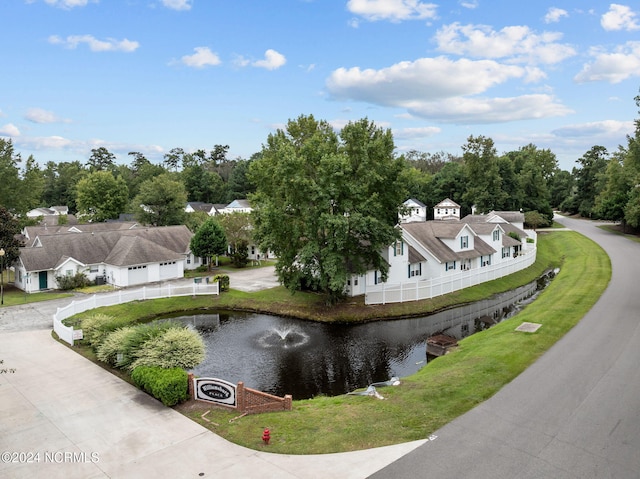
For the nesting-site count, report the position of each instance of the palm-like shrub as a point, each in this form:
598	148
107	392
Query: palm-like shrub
177	347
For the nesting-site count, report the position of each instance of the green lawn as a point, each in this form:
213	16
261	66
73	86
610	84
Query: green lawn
444	389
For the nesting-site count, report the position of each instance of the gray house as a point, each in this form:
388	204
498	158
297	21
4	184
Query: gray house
121	255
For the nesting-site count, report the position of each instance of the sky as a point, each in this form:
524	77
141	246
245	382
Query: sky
152	75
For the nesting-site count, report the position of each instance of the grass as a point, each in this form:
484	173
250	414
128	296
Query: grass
444	389
441	391
13	296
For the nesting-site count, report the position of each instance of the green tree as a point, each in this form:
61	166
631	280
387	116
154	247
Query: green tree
32	186
632	171
101	159
450	182
611	202
327	206
239	186
161	201
100	196
60	183
237	228
9	230
590	179
10	175
484	184
209	240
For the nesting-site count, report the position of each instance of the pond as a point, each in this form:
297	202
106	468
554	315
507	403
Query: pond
306	359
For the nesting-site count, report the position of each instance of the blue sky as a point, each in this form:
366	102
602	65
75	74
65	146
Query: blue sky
152	75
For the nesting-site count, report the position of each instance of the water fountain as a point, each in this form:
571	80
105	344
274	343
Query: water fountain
285	337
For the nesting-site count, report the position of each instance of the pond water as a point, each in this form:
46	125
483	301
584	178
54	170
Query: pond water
306	359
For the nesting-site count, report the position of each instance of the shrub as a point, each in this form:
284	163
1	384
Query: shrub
175	347
167	385
113	345
223	280
76	281
96	327
134	343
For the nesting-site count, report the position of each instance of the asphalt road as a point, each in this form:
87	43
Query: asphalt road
575	413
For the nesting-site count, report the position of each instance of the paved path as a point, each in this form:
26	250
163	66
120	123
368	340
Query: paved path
61	416
573	414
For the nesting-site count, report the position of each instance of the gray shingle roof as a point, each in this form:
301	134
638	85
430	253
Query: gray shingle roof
119	248
429	234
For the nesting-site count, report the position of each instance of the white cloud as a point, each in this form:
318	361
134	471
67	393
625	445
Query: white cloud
420	132
177	4
619	17
95	45
517	43
272	60
38	115
444	90
9	130
614	67
470	4
597	129
555	14
393	10
427	79
461	110
67	3
202	57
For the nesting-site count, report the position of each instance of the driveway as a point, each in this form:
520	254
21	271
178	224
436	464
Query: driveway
574	414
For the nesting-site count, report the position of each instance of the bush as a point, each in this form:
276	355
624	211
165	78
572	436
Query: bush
167	385
240	255
113	345
177	347
224	281
134	343
96	328
67	282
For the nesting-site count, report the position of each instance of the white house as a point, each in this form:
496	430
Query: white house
440	256
446	210
121	256
416	211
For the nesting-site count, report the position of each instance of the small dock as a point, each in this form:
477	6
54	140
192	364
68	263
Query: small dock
439	344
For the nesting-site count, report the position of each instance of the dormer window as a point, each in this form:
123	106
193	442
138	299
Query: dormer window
464	242
496	235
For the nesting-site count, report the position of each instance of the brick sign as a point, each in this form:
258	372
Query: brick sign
215	390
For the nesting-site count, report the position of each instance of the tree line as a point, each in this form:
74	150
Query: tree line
602	185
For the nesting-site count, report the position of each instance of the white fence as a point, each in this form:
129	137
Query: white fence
124	296
416	290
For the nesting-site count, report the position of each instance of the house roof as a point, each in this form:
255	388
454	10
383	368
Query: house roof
447	203
493	219
431	233
32	232
510	216
118	248
414	202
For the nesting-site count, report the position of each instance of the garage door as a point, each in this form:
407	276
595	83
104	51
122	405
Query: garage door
138	275
168	270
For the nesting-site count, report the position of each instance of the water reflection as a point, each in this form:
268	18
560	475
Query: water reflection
306	359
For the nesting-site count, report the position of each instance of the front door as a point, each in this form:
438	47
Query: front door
42	277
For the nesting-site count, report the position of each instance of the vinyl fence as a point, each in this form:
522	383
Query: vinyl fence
416	290
67	334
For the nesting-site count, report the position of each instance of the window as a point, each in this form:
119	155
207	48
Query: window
485	260
69	272
506	252
465	265
414	270
398	249
93	269
496	235
450	265
464	242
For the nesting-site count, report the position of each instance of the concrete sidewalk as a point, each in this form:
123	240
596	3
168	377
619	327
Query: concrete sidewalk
62	416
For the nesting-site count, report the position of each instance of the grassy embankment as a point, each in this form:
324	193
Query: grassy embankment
444	389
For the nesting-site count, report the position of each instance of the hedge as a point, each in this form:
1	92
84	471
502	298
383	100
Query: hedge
167	385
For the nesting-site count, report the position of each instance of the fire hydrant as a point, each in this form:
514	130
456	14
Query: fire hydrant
266	436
